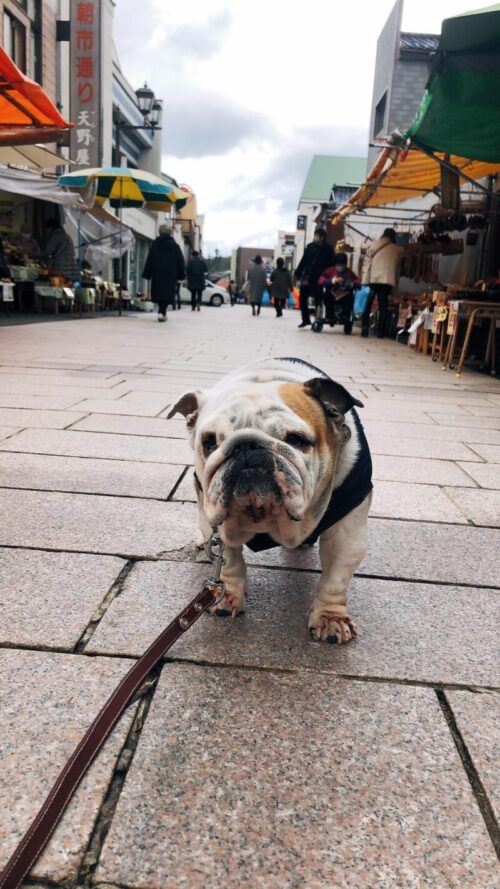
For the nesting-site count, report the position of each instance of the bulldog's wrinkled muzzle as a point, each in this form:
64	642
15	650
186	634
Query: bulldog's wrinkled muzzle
256	479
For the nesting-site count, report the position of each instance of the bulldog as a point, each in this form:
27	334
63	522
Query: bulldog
281	459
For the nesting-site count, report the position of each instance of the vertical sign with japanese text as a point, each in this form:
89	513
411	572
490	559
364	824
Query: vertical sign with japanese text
85	81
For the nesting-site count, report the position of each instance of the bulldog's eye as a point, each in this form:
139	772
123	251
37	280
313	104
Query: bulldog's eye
296	440
208	443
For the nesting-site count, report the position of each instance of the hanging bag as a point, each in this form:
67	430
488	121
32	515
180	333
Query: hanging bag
361	300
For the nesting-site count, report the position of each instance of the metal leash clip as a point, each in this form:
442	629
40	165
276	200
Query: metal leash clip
214	549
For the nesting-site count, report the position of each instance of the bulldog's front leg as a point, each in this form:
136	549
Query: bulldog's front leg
341	550
234	574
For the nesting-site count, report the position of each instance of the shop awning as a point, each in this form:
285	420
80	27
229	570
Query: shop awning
398	175
460	110
33	185
27	115
35	157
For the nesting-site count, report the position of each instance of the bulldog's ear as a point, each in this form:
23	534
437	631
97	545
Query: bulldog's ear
189	405
334	398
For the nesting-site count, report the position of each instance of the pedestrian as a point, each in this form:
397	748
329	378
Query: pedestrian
281	286
196	271
177	296
257	284
339	283
318	256
4	266
231	292
25	242
60	250
164	268
380	272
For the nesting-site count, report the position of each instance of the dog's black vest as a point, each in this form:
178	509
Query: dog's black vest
353	490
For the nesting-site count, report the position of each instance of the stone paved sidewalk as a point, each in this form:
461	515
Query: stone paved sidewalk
261	759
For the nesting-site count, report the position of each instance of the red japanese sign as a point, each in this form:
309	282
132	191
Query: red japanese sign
85	80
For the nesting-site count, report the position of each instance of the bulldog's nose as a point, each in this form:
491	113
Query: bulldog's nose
252	454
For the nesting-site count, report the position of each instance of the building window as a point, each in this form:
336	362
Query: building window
14	40
378	125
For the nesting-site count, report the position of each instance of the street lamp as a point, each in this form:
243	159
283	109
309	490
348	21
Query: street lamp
145	99
150	108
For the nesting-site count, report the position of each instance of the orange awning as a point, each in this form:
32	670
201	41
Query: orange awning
399	175
26	112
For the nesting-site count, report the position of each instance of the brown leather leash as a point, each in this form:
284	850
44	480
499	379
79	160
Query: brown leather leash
45	822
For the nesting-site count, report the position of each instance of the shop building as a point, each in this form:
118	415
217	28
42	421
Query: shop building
402	69
330	181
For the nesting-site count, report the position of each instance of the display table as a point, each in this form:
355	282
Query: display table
56	295
472	311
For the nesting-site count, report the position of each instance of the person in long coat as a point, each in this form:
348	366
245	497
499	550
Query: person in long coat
281	286
257	284
196	271
164	268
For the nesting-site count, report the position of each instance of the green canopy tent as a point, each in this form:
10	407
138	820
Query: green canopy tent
460	111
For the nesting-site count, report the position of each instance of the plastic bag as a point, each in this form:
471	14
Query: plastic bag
361	300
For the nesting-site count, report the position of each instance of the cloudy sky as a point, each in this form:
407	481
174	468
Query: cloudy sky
252	89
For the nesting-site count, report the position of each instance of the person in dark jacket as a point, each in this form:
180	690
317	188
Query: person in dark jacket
4	266
318	256
281	285
196	271
164	268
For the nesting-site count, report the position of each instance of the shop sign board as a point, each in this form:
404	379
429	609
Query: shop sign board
85	81
301	223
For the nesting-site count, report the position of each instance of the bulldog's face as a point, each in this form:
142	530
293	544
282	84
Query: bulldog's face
265	454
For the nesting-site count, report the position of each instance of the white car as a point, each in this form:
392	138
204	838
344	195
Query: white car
212	295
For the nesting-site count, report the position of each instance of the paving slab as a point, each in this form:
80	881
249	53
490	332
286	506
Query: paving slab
185	491
36	402
38	419
413	447
120	478
100	445
419	471
160	428
481	506
71	393
47	701
490	453
88	523
142	404
53	379
47	599
413	502
483	409
425	551
409	631
445	419
428	432
478	719
295	801
8	431
486	475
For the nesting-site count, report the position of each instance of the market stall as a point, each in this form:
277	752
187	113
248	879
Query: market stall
438	186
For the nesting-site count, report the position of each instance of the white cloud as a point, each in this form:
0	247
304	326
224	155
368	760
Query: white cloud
252	90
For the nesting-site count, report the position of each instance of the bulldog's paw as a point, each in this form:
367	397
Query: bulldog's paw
232	604
331	626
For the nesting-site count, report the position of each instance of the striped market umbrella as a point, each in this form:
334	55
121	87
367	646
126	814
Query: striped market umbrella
126	187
